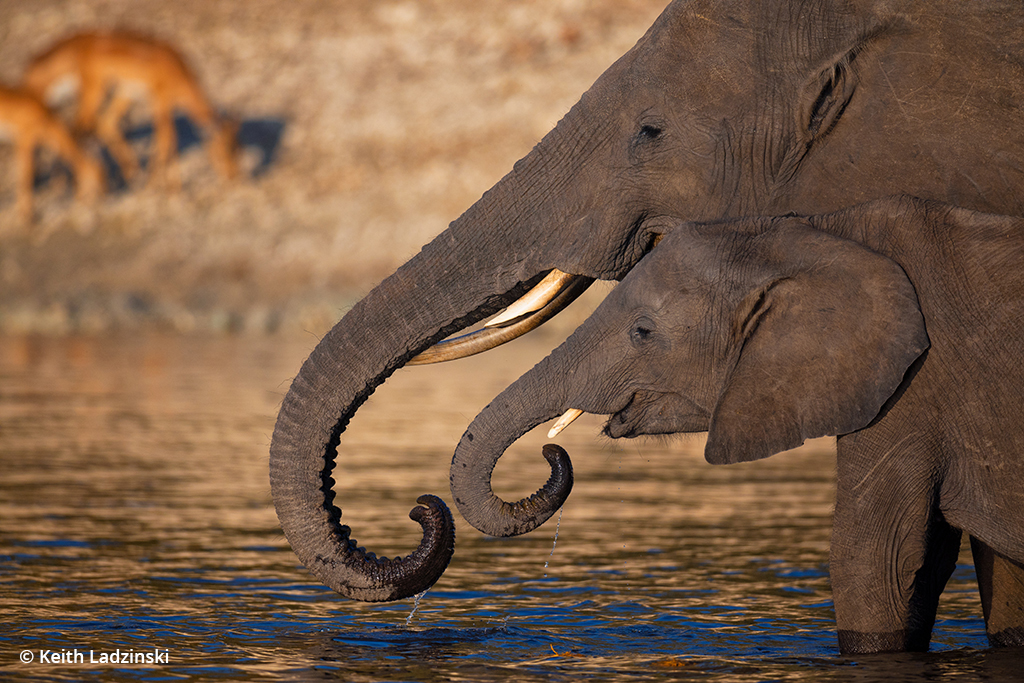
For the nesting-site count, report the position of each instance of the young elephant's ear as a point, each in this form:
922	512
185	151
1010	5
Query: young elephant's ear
822	344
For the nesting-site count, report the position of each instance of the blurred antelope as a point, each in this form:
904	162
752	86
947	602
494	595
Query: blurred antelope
111	72
26	121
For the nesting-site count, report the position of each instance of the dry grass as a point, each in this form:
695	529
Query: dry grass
397	116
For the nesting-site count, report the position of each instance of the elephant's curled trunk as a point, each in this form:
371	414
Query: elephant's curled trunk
508	417
397	320
301	473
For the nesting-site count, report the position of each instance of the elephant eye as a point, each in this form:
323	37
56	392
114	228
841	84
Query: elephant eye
643	142
649	132
642	331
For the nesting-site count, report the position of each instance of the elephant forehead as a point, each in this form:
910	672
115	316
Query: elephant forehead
693	256
668	286
703	49
717	49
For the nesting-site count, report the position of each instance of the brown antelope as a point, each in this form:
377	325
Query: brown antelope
113	71
26	121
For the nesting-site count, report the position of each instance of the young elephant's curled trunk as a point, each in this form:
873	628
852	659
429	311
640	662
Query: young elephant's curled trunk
512	414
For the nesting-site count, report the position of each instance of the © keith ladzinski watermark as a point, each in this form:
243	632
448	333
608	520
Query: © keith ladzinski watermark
142	657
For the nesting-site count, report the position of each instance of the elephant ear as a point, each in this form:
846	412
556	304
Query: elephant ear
823	343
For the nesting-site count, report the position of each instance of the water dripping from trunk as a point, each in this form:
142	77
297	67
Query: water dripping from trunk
415	606
554	542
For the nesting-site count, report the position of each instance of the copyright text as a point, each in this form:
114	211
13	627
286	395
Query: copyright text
148	657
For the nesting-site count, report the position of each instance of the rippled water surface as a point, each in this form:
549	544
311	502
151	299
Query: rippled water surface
135	516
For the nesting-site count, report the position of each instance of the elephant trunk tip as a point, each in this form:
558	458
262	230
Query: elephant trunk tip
359	574
496	517
531	512
559	484
424	566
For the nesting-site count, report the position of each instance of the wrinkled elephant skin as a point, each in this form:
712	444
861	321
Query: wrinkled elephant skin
724	108
768	331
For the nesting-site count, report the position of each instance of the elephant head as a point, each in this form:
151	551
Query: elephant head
763	333
724	107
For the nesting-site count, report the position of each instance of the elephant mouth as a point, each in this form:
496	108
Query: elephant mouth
653	413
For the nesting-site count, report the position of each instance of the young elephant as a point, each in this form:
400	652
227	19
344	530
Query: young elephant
897	325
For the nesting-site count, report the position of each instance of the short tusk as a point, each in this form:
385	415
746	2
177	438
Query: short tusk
567	419
534	300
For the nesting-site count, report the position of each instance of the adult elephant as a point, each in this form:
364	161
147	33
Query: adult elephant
724	107
765	332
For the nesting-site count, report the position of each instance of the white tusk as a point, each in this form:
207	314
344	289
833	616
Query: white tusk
534	300
564	421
